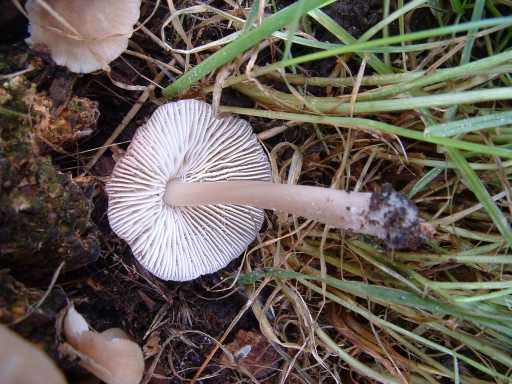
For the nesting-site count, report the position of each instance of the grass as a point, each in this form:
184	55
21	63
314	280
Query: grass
241	44
232	50
424	109
433	114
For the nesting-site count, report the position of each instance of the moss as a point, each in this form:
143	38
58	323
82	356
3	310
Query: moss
44	216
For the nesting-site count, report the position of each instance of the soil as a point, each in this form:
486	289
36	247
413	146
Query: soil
14	24
355	16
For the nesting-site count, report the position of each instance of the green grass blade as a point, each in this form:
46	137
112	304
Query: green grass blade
445	75
413	336
283	17
356	122
390	296
357	47
353	362
293	27
397	79
253	13
472	124
333	105
389	19
477	187
337	30
11	113
424	181
240	45
475	343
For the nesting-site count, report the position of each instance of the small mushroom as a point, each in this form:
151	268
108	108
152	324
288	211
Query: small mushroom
109	355
188	196
22	362
82	35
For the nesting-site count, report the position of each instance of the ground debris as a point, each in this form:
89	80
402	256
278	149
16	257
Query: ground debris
44	216
59	118
399	217
24	310
251	352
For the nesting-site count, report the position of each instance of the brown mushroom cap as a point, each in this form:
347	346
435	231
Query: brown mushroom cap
83	35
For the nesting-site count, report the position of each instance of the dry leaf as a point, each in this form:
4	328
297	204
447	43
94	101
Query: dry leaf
252	352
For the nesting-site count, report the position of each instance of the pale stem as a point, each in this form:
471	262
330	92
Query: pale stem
341	209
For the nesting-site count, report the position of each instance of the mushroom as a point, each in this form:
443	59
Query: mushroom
82	35
110	355
22	362
188	195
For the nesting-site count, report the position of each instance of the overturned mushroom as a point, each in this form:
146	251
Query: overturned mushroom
22	362
188	196
109	355
82	35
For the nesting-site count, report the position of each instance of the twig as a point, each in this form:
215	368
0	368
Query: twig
126	120
246	307
43	298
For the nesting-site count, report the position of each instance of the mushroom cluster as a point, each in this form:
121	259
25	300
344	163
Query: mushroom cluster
188	196
82	35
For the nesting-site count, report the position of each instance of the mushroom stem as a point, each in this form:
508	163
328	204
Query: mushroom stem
387	215
329	206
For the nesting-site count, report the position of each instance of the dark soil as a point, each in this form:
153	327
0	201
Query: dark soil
13	23
355	16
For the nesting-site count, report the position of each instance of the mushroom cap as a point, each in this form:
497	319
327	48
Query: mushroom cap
185	141
22	362
104	27
109	355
